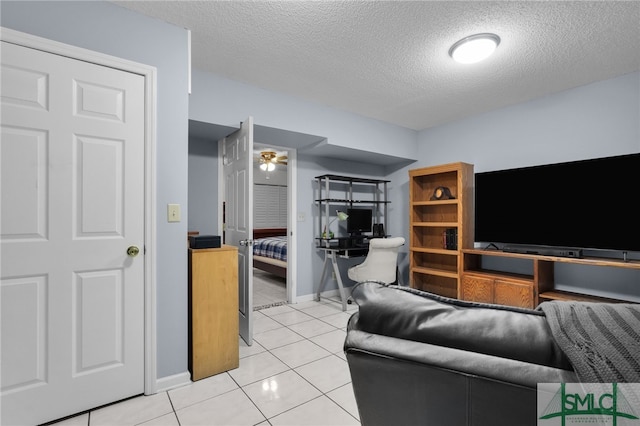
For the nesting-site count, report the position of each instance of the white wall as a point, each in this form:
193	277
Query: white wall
274	177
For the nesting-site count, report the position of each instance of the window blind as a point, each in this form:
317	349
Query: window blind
269	206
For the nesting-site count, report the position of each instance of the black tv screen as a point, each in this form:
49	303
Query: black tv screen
588	204
359	221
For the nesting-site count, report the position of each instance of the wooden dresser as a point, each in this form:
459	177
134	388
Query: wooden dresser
213	311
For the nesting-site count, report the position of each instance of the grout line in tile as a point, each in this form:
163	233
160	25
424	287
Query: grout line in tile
289	368
206	399
175	412
293	408
255	405
306	363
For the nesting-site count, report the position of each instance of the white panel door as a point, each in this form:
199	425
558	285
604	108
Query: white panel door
238	183
72	194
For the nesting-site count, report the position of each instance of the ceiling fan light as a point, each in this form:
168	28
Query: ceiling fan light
271	167
474	48
263	166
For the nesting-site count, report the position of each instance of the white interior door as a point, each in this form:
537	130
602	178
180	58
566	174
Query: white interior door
72	194
238	183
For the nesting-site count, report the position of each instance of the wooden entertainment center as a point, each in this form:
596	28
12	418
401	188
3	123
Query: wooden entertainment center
457	271
528	290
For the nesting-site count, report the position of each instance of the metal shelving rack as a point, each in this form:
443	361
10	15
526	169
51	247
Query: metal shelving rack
335	192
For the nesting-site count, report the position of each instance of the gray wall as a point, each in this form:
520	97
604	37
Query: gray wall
221	101
310	260
225	102
110	29
203	186
590	121
596	120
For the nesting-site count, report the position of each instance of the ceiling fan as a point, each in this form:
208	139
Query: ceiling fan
269	159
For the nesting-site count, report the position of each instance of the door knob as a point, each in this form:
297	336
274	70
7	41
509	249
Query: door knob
133	251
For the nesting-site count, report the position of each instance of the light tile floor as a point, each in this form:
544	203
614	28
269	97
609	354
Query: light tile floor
268	289
295	373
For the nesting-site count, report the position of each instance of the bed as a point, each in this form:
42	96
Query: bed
270	250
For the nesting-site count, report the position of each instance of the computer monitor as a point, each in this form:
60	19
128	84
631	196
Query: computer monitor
359	221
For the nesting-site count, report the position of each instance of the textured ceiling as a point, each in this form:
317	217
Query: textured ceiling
389	60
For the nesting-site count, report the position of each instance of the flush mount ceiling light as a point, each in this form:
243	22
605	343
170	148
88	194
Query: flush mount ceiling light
474	48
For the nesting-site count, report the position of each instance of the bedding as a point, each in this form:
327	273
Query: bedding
272	247
270	250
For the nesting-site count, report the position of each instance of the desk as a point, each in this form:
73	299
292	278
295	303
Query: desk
330	262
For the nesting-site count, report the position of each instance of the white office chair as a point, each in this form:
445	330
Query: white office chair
381	263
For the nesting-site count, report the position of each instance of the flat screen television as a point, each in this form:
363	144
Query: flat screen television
588	204
359	221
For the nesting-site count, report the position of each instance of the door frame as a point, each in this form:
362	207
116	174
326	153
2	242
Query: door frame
292	225
292	217
150	79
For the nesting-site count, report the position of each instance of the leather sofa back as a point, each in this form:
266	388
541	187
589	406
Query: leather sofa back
513	333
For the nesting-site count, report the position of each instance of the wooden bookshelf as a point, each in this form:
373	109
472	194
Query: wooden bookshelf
434	267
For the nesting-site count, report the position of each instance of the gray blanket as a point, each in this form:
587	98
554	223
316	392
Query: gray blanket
601	340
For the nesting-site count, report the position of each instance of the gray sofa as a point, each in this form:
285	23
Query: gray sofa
419	359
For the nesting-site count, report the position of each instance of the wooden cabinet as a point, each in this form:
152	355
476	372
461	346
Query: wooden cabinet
213	311
500	289
480	284
514	293
435	264
477	288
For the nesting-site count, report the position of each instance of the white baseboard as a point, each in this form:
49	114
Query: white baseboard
171	382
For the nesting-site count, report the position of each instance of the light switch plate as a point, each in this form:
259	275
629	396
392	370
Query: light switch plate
173	212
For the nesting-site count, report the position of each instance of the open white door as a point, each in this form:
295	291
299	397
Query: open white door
238	183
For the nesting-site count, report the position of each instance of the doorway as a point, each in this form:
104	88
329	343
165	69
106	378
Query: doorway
270	221
206	203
